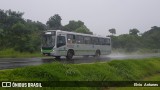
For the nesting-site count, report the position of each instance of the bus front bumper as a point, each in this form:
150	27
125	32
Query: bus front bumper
53	53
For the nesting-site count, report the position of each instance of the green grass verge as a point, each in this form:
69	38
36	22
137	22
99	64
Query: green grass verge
116	70
10	53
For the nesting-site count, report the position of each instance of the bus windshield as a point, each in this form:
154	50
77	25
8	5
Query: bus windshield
48	41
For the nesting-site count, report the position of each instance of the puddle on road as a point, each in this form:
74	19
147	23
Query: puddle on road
7	63
132	56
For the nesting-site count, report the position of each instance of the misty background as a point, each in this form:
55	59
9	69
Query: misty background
98	15
132	25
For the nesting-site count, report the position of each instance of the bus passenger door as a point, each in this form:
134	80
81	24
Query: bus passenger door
61	43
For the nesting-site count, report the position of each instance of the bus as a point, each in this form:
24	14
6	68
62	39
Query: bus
59	43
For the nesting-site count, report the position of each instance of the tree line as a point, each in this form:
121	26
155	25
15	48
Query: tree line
24	35
135	41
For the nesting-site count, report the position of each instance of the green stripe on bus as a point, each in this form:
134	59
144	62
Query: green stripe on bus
47	51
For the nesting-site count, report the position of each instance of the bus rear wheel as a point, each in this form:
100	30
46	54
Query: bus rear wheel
70	54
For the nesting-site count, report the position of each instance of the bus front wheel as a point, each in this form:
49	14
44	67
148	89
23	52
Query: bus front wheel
70	54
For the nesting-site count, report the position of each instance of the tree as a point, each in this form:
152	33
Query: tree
151	38
73	25
8	18
36	25
128	42
1	38
54	22
3	17
19	39
113	31
133	31
83	29
77	26
115	42
19	34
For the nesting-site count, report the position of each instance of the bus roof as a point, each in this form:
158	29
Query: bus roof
77	33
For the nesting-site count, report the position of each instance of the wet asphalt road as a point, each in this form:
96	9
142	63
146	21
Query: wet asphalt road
9	63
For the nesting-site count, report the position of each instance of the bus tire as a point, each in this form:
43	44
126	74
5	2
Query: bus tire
70	54
98	53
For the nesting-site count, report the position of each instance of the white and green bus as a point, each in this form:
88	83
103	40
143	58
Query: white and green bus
59	43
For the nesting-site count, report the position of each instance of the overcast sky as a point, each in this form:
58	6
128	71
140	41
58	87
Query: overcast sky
98	15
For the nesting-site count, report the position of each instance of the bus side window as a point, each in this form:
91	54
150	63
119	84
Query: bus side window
94	40
79	39
74	39
103	42
70	38
87	40
107	41
99	41
61	41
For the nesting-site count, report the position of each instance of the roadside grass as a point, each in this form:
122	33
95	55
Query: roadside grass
10	53
116	70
